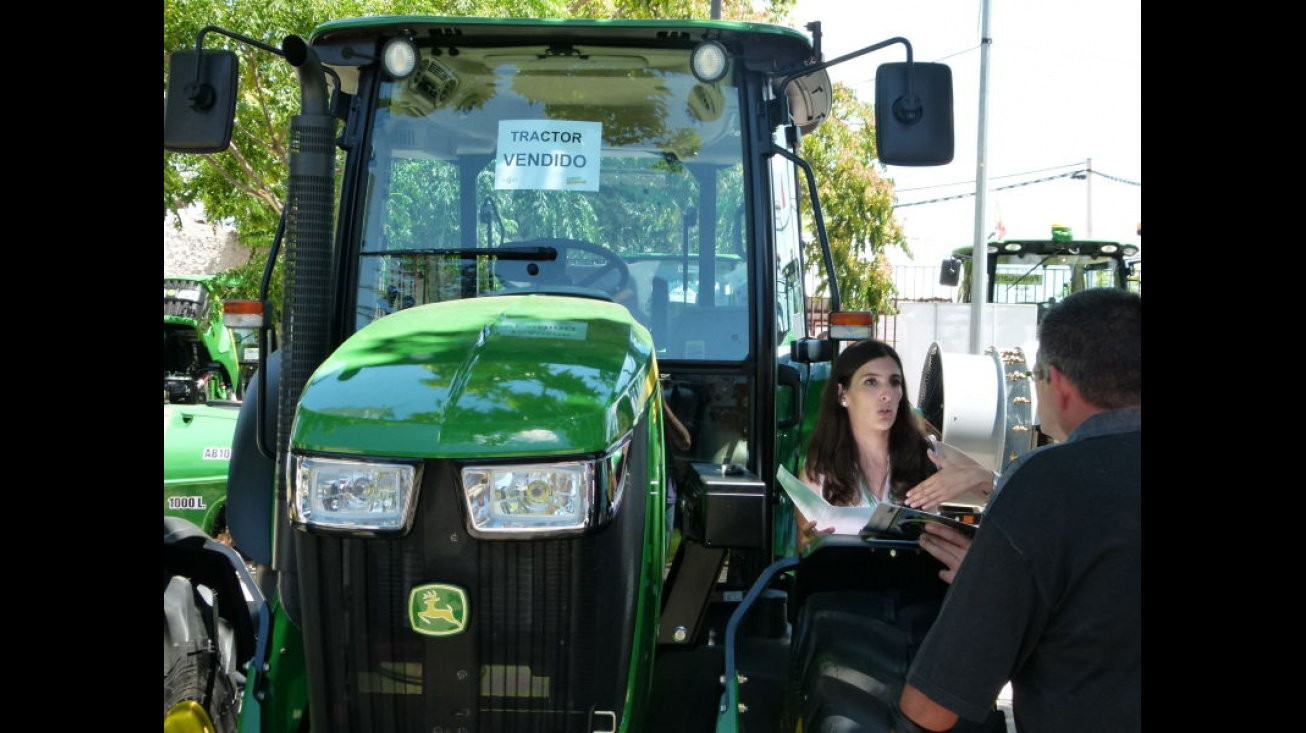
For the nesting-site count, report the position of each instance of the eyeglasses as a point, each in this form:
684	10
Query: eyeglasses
1039	372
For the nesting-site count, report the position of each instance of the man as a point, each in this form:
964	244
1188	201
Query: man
1050	594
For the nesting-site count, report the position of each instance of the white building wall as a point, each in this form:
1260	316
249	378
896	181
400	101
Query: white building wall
200	247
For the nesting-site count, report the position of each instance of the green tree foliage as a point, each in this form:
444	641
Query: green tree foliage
246	184
856	203
774	11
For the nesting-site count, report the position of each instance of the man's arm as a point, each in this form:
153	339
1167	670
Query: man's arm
923	712
971	648
680	436
949	547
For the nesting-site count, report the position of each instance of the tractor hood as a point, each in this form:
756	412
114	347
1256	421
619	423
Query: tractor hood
520	375
197	441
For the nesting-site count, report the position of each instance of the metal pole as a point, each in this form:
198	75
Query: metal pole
1089	235
979	253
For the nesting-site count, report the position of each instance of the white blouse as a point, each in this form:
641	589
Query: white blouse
864	497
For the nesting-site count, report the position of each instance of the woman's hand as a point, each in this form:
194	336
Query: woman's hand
947	545
957	474
807	531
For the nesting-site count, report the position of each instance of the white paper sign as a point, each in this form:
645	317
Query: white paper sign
548	155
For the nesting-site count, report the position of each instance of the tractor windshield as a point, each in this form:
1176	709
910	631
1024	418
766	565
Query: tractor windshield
603	172
1034	278
1043	272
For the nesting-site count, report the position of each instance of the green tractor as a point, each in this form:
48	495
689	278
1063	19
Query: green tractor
201	362
206	366
1042	272
514	249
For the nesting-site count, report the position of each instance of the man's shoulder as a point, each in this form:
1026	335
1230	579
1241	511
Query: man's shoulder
1126	421
1055	476
1104	432
1111	452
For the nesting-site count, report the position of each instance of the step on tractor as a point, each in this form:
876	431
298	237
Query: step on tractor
515	250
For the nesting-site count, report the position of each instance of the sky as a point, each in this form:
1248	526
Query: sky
1064	94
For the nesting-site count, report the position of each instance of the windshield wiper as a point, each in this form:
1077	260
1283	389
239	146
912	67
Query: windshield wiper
541	254
1037	265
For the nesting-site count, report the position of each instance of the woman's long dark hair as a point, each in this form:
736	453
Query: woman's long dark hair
832	452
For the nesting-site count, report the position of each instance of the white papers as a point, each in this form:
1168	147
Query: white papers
844	519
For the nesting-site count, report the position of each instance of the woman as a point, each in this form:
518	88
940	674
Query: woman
869	442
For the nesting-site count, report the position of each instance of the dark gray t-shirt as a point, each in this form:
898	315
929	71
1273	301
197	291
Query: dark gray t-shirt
1050	593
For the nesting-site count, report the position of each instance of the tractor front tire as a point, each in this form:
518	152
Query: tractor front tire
201	687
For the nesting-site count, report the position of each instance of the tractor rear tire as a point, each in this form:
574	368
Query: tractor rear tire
850	660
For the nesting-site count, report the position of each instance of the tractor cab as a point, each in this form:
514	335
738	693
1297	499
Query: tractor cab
1042	272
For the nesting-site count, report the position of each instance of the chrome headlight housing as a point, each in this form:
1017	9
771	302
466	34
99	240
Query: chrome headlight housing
531	500
353	496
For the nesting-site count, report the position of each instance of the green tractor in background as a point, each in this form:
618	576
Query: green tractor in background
206	367
202	361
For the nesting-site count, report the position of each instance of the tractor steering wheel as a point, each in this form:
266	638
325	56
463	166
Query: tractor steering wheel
611	263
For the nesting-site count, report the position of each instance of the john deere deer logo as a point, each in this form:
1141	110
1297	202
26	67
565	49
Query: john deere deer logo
437	609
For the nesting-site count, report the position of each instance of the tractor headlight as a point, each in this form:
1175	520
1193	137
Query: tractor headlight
354	496
531	499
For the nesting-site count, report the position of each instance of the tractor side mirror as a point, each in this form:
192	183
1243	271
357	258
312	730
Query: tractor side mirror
913	113
200	107
950	272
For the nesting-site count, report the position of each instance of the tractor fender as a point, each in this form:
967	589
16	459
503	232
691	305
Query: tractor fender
251	473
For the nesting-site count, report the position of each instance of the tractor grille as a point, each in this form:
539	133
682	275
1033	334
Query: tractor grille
193	308
546	647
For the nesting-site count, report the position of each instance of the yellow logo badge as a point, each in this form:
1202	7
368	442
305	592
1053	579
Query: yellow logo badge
437	609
